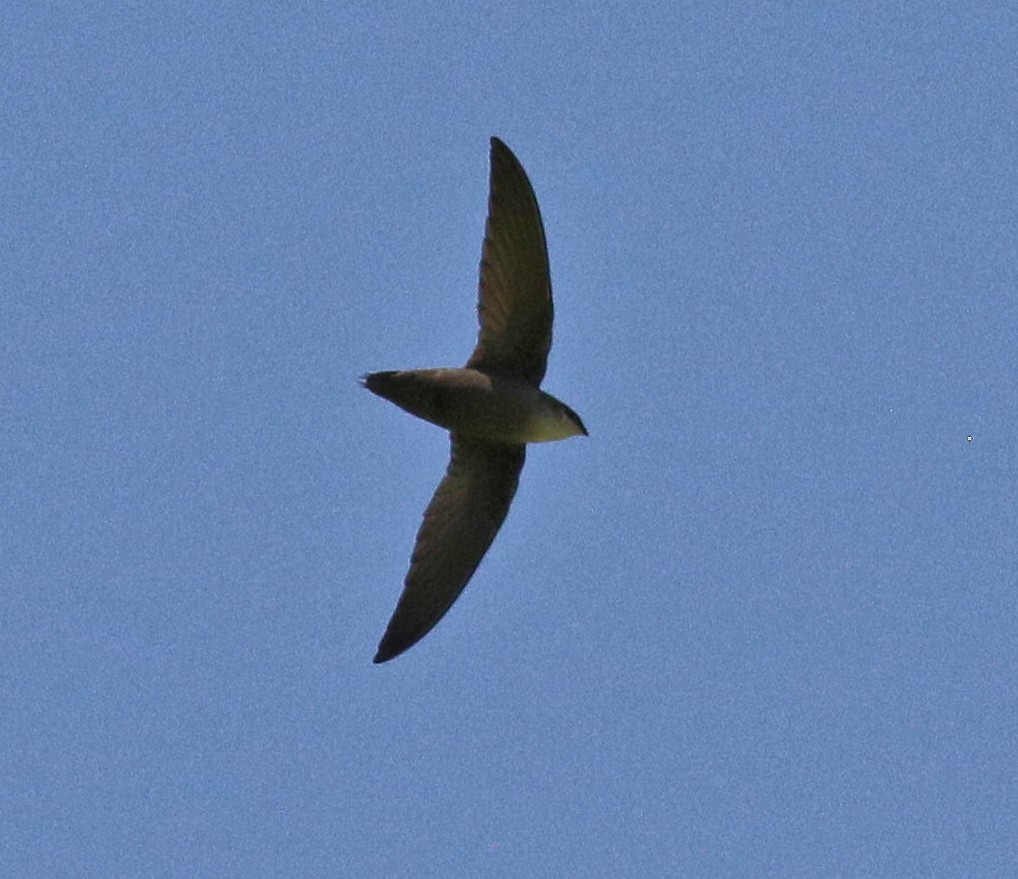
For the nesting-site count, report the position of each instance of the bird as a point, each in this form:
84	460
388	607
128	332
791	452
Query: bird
492	407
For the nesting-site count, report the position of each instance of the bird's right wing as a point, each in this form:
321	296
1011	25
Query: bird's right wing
459	525
514	304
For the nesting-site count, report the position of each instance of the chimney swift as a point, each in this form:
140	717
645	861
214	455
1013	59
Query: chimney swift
492	407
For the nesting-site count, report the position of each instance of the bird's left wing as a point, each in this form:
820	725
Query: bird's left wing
459	525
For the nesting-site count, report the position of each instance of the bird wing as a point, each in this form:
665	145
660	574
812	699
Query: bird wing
514	305
459	525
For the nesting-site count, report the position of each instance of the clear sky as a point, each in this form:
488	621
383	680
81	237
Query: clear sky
763	622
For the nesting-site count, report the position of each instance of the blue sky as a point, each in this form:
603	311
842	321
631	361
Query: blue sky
763	622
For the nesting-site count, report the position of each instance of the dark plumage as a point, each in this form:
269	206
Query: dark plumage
492	407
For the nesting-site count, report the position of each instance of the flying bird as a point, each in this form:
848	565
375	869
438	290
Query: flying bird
492	407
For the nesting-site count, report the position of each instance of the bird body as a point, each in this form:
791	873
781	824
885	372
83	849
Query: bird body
492	407
474	403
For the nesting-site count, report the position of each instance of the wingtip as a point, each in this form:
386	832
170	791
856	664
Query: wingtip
499	146
386	652
395	643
